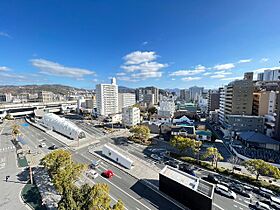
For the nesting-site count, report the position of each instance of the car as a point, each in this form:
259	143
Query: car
94	163
275	202
212	178
240	190
187	169
221	189
92	174
53	147
262	206
172	163
156	157
43	144
108	173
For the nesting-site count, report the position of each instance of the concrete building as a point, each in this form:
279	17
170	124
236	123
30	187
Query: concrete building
166	108
6	97
126	100
264	103
193	192
185	95
130	116
260	76
107	98
277	120
240	123
271	74
45	96
141	92
149	99
195	92
213	101
214	116
222	105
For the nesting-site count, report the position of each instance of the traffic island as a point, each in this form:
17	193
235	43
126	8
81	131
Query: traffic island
31	196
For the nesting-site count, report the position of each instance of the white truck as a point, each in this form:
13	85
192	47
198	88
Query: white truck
116	156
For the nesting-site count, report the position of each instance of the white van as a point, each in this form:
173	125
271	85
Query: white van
275	202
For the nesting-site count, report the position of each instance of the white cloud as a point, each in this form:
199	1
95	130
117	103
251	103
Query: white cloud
5	34
218	76
56	69
198	69
231	78
95	80
226	66
139	57
127	79
223	72
141	65
263	60
121	74
191	78
144	43
244	61
4	68
207	73
173	79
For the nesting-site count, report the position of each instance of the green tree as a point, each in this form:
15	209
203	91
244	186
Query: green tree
152	110
260	167
67	201
196	146
214	154
100	196
119	205
140	132
181	143
15	131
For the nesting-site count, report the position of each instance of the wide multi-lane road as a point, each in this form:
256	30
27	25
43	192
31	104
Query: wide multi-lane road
130	190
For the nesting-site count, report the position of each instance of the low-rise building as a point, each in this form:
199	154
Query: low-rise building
166	108
130	116
6	97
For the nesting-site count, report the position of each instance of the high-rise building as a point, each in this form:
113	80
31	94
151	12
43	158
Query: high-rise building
264	103
271	75
130	116
185	95
149	99
213	102
222	105
126	100
107	98
195	92
166	108
260	76
141	92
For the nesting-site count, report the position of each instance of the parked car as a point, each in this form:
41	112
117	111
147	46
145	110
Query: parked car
172	163
240	190
275	202
53	147
211	178
262	206
221	189
43	144
187	168
156	157
92	174
108	173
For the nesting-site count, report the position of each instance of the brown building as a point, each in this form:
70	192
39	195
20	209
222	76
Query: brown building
264	103
213	97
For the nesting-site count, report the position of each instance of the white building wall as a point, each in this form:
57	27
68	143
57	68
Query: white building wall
271	75
126	100
166	108
107	99
131	116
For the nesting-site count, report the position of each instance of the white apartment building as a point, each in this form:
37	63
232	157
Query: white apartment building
126	100
166	108
107	98
222	106
6	97
130	116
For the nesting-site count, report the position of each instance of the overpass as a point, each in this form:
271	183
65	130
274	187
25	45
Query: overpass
22	109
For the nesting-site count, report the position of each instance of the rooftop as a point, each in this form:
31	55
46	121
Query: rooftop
188	181
252	136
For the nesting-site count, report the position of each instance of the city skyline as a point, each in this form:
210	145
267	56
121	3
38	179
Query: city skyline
141	44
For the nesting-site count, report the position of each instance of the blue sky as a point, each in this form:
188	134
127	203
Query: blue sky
168	44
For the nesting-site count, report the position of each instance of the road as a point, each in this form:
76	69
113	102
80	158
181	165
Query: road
131	191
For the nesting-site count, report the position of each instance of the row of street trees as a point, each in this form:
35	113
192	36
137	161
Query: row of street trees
64	173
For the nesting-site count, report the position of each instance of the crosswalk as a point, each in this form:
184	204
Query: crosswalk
2	162
7	149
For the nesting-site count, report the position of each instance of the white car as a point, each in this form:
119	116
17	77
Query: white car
225	191
92	174
262	206
43	144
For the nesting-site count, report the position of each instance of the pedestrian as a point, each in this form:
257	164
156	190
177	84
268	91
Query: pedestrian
7	177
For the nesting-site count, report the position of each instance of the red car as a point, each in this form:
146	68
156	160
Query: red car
108	173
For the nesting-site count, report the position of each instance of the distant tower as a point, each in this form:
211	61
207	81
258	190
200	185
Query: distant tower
113	81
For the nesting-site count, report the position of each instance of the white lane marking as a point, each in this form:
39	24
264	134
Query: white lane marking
218	206
240	203
241	208
121	189
235	206
240	199
104	164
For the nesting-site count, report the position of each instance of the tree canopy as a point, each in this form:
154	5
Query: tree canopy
140	132
214	154
260	167
15	130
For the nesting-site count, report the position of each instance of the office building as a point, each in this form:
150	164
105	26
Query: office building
195	92
166	108
213	101
260	76
45	96
142	92
107	98
130	116
126	100
149	99
271	74
185	95
222	105
6	97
